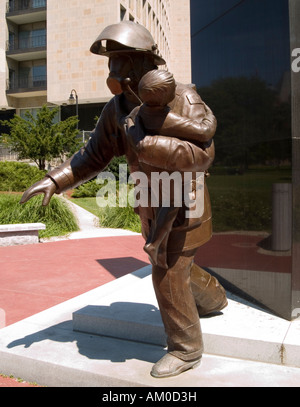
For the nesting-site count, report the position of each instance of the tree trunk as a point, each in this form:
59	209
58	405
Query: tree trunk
42	164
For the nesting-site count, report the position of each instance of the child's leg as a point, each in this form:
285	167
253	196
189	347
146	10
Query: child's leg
160	230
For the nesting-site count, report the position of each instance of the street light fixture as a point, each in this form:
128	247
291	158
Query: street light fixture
73	100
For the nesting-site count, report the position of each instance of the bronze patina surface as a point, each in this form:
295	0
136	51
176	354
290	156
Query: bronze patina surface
185	135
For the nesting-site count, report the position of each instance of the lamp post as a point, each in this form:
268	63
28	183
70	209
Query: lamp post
73	100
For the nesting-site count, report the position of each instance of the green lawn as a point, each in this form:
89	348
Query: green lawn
89	204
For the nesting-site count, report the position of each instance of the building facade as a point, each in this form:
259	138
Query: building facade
44	48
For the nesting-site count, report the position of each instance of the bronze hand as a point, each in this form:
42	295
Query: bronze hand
46	186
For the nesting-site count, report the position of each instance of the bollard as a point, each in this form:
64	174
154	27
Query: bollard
282	217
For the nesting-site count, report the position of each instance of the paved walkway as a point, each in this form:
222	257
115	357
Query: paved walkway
37	277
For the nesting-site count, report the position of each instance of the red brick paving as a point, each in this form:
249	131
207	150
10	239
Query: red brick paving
241	252
36	277
11	382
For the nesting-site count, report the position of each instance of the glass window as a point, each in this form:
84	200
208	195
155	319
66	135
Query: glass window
38	3
38	38
11	5
24	39
34	112
24	4
241	67
39	75
24	77
122	13
12	79
32	39
11	41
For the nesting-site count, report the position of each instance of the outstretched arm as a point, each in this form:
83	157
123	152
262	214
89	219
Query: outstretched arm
85	164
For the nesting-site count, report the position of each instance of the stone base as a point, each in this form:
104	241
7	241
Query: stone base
20	234
241	330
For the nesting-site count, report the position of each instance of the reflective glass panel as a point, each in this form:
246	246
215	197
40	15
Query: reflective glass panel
242	70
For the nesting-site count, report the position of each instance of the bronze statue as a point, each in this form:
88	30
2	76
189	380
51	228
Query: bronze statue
157	90
184	291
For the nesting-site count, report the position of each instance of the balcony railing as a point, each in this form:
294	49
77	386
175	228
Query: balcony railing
28	43
27	83
24	5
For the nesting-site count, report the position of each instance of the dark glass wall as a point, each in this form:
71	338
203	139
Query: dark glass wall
241	60
295	52
87	113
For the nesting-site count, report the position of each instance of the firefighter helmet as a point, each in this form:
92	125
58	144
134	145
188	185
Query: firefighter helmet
126	36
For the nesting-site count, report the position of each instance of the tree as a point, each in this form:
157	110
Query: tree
39	138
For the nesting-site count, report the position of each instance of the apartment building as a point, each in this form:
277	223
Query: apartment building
44	50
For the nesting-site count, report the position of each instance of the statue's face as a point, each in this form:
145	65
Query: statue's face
125	69
119	69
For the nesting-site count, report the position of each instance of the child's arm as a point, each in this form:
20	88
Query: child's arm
189	129
165	152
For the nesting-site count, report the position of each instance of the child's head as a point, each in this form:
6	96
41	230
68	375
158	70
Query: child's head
157	88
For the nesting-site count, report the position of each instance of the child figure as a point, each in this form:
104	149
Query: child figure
154	118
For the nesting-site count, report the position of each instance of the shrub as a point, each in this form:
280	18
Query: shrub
90	189
119	218
17	177
57	216
240	211
87	190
